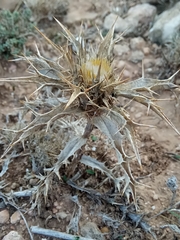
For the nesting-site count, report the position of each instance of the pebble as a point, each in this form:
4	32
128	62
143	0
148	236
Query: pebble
137	43
15	217
138	115
121	64
159	62
148	63
155	197
104	229
136	56
14	186
146	51
90	230
4	216
33	181
61	215
120	50
12	68
127	73
153	207
13	235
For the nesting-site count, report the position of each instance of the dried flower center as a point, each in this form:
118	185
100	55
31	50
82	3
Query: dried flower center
91	68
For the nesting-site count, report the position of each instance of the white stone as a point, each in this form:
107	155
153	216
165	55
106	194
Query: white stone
4	216
136	56
120	26
137	43
137	21
166	25
120	49
13	235
146	51
61	215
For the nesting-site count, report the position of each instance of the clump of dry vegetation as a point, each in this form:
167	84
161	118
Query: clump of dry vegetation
75	95
44	9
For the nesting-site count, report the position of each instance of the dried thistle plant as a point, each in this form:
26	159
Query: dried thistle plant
82	84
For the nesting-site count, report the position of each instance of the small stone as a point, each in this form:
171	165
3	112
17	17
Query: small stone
146	51
132	109
127	73
33	181
54	210
155	197
13	235
120	50
104	229
138	115
93	148
4	216
149	70
61	215
120	24
148	63
153	207
56	204
137	43
121	64
136	56
90	230
12	68
159	62
14	186
15	217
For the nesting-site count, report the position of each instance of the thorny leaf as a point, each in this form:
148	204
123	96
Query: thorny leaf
92	162
70	149
173	227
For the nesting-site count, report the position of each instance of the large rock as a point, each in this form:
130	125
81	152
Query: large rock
137	21
167	24
4	216
13	235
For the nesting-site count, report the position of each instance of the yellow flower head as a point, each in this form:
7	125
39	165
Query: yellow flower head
95	70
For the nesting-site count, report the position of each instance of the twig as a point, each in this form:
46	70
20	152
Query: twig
24	193
56	234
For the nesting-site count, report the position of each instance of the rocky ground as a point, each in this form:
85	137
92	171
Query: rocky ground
147	47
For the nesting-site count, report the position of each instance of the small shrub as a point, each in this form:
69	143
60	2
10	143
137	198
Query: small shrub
14	27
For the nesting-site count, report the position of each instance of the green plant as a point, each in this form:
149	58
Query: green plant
80	92
14	27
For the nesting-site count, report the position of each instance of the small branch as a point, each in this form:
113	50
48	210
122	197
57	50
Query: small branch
56	234
24	193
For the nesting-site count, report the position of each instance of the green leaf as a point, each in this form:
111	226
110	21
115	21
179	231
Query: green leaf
93	138
90	171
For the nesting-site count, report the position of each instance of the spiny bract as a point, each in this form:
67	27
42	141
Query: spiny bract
87	87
